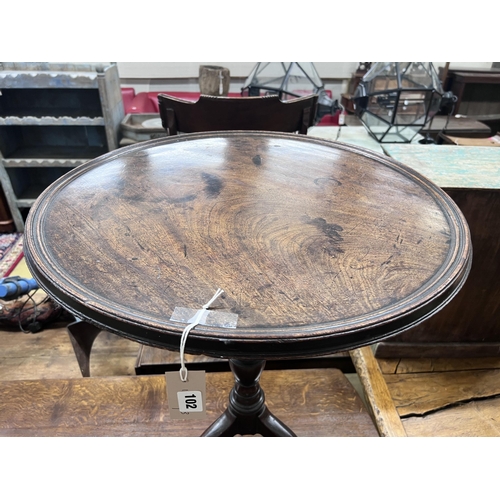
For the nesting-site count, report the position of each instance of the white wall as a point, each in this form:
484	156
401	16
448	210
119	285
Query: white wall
237	69
183	76
326	70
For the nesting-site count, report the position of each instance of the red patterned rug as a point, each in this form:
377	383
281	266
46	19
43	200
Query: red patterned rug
21	312
11	252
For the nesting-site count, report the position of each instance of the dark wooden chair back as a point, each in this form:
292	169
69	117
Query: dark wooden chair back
211	113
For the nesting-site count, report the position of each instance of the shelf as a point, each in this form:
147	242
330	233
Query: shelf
53	118
28	202
30	183
50	153
81	77
50	102
44	162
65	142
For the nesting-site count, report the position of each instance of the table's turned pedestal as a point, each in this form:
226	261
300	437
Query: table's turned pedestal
319	246
247	413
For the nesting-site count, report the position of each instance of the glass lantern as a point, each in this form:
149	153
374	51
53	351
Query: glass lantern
289	80
394	100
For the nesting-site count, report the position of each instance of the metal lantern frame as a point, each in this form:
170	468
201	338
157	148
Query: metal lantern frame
394	101
281	85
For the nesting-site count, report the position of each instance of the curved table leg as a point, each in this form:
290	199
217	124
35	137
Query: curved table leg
247	414
82	336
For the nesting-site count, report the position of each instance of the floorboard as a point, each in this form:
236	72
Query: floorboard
314	403
42	392
435	397
432	397
49	354
474	419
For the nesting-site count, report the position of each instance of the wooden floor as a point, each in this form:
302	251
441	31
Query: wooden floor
432	397
137	406
407	397
42	393
49	355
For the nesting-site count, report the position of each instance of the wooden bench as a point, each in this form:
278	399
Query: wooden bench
314	402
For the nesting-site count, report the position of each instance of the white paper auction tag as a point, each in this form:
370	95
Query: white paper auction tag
186	400
190	401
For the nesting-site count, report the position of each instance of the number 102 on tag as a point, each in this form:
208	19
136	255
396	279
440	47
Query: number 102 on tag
190	401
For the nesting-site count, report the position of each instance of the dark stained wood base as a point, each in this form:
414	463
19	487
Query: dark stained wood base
246	412
82	336
264	424
318	403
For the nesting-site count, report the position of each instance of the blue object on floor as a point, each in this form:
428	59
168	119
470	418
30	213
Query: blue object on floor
13	287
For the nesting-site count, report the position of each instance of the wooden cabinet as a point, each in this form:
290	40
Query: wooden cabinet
53	117
478	94
477	91
469	324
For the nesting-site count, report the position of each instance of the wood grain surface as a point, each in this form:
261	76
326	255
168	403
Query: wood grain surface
356	135
473	419
463	127
421	393
318	402
319	246
430	365
431	397
469	325
377	394
50	355
470	167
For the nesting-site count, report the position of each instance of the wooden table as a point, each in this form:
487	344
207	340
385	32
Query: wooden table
450	166
357	135
493	141
460	127
319	246
476	90
469	326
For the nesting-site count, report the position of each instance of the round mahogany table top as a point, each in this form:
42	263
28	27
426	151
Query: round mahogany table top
319	246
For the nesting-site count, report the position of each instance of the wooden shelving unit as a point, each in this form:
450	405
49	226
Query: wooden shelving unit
53	117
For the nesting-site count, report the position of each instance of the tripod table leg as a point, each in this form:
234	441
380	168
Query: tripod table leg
246	413
82	336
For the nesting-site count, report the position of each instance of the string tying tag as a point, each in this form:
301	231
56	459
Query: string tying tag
195	320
